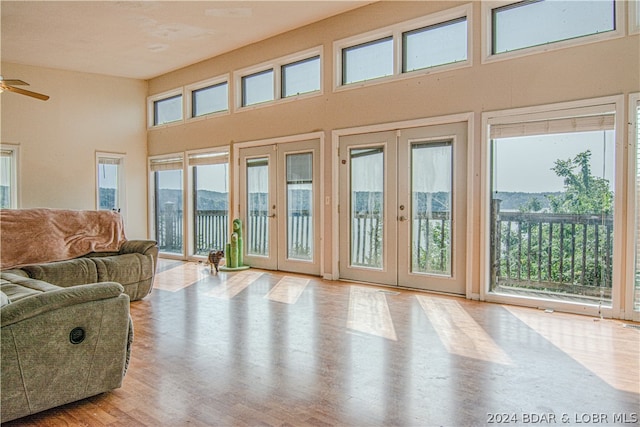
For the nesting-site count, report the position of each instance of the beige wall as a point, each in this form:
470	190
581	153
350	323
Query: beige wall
59	138
592	70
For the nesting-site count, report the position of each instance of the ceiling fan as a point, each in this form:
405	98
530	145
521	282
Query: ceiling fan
9	85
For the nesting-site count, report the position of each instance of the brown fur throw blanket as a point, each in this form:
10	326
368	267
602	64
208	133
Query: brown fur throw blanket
34	236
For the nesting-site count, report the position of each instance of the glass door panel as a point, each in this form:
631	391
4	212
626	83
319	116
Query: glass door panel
367	202
168	210
367	208
299	206
431	182
299	184
432	211
257	201
210	207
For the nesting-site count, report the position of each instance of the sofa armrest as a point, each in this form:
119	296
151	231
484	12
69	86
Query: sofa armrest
145	247
33	306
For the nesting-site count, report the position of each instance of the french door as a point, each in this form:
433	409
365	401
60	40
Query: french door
280	194
403	207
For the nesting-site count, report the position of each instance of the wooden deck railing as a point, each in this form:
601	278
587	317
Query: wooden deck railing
553	252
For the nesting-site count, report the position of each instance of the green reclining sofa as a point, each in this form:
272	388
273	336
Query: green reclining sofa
66	333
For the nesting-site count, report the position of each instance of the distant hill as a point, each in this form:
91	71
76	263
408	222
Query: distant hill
513	201
364	201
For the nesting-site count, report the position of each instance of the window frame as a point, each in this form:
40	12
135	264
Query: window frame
13	151
633	205
487	34
189	188
397	31
569	109
151	108
121	189
205	84
634	16
276	65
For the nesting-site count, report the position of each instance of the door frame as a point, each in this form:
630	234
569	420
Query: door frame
234	207
470	267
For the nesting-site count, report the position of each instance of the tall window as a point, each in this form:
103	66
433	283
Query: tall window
8	176
168	193
533	23
110	181
552	207
210	210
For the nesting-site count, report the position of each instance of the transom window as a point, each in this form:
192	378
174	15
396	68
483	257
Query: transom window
435	45
167	110
437	42
257	88
533	26
367	61
287	77
301	77
210	99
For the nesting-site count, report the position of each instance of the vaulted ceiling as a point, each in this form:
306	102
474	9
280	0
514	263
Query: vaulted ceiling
144	39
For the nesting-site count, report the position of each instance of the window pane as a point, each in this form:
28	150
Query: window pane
301	77
6	173
257	88
435	45
552	215
108	184
367	201
168	189
300	206
257	239
211	183
167	110
367	61
210	99
431	185
528	23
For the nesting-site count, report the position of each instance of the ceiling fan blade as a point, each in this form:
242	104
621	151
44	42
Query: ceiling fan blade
25	92
15	83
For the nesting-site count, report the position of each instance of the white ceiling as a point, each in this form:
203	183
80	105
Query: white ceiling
144	39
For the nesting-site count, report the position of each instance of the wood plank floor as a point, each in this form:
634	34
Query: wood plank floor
274	349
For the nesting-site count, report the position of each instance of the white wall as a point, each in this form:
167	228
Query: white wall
59	138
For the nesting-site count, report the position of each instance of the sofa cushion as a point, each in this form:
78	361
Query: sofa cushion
73	272
16	287
133	271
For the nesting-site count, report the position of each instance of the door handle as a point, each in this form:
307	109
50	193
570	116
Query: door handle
403	218
272	216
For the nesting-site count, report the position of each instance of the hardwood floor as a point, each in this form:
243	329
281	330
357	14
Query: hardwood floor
277	349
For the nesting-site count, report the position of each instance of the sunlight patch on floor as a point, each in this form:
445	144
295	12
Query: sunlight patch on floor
369	313
180	277
234	285
288	290
601	346
459	332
